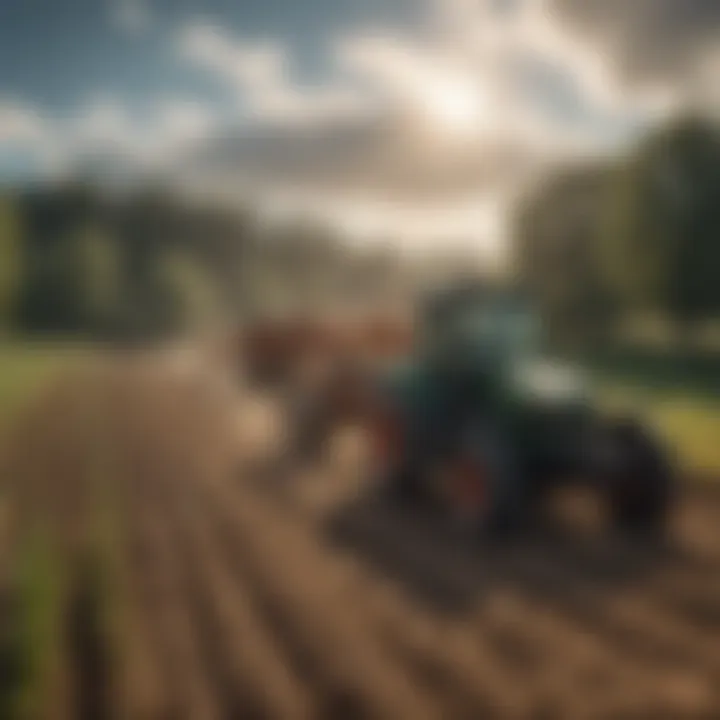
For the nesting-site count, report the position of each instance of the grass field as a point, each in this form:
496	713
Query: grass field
25	370
688	422
32	581
677	392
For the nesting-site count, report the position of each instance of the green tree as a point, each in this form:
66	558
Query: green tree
557	253
190	298
11	263
97	279
51	293
662	230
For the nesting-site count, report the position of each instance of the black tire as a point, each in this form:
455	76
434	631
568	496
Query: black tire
500	518
402	487
639	480
504	511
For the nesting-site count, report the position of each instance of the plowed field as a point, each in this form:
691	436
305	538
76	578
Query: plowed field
291	594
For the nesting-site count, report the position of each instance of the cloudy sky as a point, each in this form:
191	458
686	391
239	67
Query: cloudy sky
418	119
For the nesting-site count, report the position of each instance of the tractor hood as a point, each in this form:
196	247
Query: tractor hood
550	381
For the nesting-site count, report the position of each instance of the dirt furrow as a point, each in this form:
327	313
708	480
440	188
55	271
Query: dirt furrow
192	691
308	602
250	664
578	668
643	618
257	678
464	674
632	627
142	683
478	682
305	593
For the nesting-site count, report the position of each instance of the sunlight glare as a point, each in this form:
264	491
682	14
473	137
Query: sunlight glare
456	107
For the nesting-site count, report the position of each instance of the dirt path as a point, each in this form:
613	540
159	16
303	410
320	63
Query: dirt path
250	599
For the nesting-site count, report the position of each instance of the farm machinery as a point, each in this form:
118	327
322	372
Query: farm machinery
478	422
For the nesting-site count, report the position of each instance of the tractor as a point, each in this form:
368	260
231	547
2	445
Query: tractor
478	421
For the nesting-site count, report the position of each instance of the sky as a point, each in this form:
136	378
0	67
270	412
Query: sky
414	120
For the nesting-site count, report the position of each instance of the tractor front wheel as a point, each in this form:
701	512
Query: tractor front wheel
490	501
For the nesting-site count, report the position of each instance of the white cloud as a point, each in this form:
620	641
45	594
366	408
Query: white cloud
427	82
451	124
103	122
183	122
258	72
106	127
476	222
424	134
104	132
466	83
20	124
489	76
26	133
250	66
644	42
592	70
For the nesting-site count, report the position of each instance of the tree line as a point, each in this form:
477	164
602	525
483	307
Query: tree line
604	245
601	245
75	261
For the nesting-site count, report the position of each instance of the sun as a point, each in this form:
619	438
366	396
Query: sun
456	107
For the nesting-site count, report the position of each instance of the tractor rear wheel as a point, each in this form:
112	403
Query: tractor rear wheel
639	480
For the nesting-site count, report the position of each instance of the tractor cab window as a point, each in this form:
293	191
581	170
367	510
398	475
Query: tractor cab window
521	332
506	331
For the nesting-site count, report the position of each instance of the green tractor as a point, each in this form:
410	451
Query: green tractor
481	423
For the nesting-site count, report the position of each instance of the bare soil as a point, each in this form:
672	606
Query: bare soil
298	595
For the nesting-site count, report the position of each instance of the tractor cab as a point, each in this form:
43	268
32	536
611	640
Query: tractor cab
474	324
484	336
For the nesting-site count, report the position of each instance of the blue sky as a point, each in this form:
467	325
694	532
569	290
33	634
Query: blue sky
404	117
59	53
